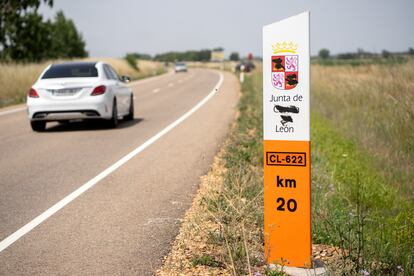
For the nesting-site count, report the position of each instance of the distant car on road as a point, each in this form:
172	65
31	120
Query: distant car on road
180	67
247	65
79	90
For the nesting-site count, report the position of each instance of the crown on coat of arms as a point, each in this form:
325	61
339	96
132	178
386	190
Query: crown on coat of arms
284	47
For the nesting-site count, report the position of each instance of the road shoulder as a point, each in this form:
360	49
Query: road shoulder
195	230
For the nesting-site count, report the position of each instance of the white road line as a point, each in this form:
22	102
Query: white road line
69	198
156	90
14	110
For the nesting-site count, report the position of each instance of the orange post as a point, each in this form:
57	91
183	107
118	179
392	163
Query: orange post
287	203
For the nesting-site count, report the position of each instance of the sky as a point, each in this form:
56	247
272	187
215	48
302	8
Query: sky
113	28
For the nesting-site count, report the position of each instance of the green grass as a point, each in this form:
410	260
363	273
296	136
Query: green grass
354	206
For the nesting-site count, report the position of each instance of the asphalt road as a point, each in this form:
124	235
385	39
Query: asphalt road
124	224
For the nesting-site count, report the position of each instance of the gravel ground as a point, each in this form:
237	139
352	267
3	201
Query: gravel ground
191	243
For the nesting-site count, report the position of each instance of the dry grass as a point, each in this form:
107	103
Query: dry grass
227	65
16	79
146	67
192	243
374	106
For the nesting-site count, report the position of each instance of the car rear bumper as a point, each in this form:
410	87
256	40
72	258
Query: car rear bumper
180	70
65	115
67	110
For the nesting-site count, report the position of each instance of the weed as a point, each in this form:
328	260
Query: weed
275	273
206	260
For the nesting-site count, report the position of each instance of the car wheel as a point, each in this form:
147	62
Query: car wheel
38	125
130	115
113	122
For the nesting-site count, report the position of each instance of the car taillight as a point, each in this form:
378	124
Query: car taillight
99	90
32	93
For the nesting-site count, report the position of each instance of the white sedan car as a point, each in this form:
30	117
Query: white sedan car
180	67
79	90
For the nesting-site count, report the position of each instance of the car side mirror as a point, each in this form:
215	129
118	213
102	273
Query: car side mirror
125	79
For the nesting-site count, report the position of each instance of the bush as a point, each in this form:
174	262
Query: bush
324	54
132	61
386	54
234	56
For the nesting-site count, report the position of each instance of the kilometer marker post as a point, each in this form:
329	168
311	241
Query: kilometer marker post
286	118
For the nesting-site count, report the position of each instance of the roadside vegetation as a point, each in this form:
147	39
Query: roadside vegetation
372	105
363	164
225	65
237	207
362	173
132	61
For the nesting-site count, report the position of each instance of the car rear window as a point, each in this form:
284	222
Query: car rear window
72	70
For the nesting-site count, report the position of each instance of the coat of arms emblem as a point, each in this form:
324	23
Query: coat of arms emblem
285	66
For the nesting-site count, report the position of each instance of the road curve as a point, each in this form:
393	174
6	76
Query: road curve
125	223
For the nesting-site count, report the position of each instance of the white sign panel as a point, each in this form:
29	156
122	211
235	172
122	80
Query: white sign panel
286	79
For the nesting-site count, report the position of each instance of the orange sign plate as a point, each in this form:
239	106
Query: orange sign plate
287	203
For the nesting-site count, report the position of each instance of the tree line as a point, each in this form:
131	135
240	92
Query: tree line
202	55
192	55
26	37
361	54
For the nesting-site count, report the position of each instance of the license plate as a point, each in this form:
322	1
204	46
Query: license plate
65	92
